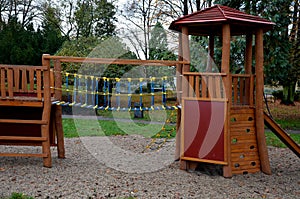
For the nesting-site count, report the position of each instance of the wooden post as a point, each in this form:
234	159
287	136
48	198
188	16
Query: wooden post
45	128
261	139
186	68
248	69
186	57
211	52
227	172
248	54
179	95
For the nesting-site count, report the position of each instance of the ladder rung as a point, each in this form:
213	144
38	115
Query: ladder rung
23	138
17	121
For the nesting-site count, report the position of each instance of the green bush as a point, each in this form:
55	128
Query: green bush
19	196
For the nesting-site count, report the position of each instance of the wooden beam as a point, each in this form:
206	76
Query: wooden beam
248	54
225	68
261	139
211	52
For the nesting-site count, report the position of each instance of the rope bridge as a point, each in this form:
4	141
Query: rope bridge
115	94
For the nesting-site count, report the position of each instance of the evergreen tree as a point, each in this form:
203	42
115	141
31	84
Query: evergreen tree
94	18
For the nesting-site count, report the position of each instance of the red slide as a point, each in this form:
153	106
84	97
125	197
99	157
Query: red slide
281	134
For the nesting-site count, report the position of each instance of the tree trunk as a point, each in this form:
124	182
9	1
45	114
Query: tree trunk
288	94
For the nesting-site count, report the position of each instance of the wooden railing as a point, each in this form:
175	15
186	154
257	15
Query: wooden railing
243	90
204	85
211	86
22	81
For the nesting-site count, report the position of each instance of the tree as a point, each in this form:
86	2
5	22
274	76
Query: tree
19	45
94	18
50	30
158	44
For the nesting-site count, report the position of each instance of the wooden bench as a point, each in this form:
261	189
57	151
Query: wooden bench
27	116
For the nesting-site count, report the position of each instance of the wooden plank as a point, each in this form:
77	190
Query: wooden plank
236	157
249	163
31	80
244	136
191	86
204	74
251	90
203	87
39	84
197	87
34	103
235	90
114	61
10	82
3	76
218	87
242	110
242	90
211	87
18	121
24	80
40	155
24	138
240	172
243	117
204	160
16	79
245	167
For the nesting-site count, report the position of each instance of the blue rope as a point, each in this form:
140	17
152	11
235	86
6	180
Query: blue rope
104	90
118	91
164	94
141	93
152	91
129	93
108	96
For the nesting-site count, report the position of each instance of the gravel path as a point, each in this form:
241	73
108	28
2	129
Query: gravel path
122	166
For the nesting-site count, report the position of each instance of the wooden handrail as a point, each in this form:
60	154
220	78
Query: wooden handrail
114	61
204	74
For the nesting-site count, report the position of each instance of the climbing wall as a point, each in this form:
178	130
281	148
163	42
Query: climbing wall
244	150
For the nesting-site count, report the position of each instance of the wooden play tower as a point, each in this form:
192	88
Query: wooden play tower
222	117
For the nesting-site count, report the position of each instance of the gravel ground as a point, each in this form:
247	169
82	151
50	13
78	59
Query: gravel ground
122	166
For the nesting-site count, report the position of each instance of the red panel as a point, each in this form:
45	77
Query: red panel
204	129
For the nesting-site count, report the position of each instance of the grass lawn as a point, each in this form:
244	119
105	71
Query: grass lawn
287	116
84	127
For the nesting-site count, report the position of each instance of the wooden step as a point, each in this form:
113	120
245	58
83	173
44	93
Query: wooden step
13	102
39	155
23	138
19	121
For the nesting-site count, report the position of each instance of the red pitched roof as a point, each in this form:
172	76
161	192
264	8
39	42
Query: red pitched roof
212	18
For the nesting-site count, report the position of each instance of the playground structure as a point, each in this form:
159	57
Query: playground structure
222	117
221	120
